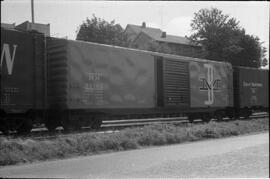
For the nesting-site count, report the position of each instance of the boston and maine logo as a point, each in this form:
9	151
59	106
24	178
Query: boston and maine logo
209	83
8	56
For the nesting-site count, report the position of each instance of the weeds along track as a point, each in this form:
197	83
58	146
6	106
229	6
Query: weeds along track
113	126
59	146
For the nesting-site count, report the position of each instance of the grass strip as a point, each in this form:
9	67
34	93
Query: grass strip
19	150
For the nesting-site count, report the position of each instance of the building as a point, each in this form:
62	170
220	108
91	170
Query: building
133	30
143	37
8	26
28	26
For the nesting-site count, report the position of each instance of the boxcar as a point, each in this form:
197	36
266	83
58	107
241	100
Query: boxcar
88	82
22	79
251	90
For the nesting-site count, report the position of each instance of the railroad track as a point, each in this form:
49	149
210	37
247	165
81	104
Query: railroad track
112	126
138	122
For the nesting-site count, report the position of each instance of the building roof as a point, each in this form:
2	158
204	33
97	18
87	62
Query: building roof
170	39
156	33
149	30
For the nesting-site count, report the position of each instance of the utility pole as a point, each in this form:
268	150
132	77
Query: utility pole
32	11
161	16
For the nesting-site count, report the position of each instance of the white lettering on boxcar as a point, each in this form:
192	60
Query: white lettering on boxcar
210	77
94	76
252	84
210	84
93	86
9	59
93	93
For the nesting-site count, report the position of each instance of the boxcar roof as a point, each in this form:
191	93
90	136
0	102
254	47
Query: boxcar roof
179	57
251	68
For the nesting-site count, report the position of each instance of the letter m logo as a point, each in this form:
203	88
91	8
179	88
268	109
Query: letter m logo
210	84
5	54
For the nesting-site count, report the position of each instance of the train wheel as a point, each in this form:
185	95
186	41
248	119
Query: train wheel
51	128
50	125
219	115
206	117
25	126
76	123
71	123
237	114
230	113
191	118
96	123
4	127
231	117
246	113
66	123
66	127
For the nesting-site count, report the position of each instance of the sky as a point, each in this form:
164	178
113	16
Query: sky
174	17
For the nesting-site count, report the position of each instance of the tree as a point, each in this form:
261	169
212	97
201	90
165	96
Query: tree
100	31
264	61
224	40
250	55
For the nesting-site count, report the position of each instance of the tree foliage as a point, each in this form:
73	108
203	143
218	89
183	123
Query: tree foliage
100	31
224	40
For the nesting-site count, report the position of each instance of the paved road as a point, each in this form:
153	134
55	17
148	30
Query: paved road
244	156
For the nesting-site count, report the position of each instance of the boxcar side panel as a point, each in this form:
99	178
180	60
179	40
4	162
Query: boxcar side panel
210	84
108	77
17	68
253	87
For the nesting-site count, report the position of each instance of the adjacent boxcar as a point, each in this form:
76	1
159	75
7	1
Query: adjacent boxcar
251	90
22	78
